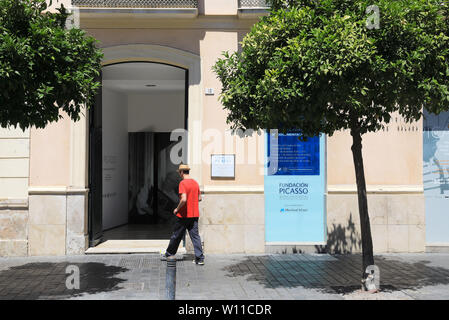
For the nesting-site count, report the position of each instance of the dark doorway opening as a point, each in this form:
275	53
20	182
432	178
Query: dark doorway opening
139	106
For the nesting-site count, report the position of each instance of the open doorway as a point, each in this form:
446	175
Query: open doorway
141	104
152	186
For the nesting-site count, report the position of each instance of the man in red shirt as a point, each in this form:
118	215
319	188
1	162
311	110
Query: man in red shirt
187	213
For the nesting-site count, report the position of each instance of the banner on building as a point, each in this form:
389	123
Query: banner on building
436	176
294	184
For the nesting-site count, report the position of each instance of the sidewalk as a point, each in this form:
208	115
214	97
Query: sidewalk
228	277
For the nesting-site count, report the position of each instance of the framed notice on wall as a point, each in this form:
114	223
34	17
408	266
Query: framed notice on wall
222	166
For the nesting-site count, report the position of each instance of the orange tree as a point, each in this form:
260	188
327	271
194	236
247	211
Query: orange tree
323	66
44	67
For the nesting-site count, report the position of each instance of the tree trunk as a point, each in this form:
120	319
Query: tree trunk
367	243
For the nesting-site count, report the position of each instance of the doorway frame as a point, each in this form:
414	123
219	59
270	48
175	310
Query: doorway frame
191	63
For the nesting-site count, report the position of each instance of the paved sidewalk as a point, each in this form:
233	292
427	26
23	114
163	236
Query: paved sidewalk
228	277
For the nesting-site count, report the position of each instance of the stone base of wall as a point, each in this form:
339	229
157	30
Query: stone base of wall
13	248
13	228
397	223
233	223
57	223
443	248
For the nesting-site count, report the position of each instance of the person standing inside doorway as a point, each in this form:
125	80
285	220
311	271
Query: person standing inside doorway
187	213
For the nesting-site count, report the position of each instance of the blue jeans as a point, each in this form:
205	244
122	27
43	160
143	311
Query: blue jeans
179	230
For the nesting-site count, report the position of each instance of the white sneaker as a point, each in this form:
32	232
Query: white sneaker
163	257
201	262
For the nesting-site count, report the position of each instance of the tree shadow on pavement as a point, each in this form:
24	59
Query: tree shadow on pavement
335	273
46	280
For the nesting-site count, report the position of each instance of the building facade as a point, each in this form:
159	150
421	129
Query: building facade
59	193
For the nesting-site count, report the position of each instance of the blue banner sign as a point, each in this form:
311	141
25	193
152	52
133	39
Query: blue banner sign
436	176
294	189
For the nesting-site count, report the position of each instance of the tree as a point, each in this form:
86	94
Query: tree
44	67
324	66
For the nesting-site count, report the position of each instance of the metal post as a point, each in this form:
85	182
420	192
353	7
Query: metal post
170	279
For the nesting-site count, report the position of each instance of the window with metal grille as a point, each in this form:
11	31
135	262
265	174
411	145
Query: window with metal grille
253	4
136	3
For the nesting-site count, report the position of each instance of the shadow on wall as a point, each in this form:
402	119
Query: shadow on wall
342	239
51	278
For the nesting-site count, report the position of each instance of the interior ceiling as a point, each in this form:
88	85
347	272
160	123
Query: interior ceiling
134	77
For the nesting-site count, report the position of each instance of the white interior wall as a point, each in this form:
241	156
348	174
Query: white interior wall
159	111
115	159
137	97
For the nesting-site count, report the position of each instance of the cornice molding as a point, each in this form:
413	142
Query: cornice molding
57	190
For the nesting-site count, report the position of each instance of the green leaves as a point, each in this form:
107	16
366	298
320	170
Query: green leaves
44	68
316	66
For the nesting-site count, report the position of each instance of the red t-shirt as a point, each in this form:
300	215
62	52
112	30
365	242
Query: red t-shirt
191	188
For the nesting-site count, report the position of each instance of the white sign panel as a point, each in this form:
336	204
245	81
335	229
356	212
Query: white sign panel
223	165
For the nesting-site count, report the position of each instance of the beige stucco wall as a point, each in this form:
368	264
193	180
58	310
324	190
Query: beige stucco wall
50	154
217	137
218	7
392	157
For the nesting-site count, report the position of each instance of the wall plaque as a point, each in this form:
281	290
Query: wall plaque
223	165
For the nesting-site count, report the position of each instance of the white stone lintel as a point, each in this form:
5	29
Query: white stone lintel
56	190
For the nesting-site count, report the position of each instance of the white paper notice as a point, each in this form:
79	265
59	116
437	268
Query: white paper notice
222	165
